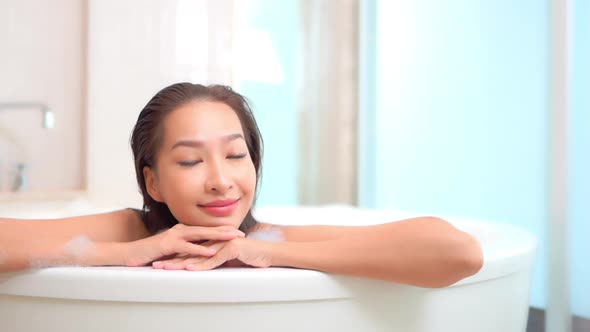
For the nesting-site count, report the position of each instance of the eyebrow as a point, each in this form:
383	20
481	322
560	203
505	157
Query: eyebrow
198	144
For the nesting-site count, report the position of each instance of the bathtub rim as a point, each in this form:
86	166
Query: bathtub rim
83	283
144	284
512	254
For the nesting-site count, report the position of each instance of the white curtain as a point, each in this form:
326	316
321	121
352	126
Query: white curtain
329	102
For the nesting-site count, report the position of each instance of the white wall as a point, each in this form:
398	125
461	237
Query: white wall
96	63
136	48
42	60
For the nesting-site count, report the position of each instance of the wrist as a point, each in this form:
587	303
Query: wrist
279	254
107	253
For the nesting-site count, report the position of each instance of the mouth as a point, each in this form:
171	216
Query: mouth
220	208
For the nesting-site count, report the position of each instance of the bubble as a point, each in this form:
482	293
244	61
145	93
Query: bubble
271	234
79	247
75	250
35	263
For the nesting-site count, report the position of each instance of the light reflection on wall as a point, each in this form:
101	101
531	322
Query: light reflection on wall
192	39
257	58
204	41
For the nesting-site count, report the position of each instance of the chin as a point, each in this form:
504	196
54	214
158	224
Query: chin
222	221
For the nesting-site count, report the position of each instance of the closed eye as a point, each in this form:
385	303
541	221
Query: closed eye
236	156
189	163
195	162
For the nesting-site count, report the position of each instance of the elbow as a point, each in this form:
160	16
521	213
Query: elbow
10	267
465	258
473	261
462	258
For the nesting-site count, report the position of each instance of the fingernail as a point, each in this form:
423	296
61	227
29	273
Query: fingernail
211	251
156	263
190	267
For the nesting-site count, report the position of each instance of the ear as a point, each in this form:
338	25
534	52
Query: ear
151	184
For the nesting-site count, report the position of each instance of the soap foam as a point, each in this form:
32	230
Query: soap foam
270	234
79	247
76	249
40	263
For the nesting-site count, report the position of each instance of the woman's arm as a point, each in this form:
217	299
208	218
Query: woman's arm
115	238
84	240
426	252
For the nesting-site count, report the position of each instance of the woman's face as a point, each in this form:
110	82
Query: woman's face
203	171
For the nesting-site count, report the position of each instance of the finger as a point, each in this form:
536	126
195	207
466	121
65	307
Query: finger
195	249
180	263
163	263
208	243
166	257
227	228
158	264
183	249
204	266
210	263
194	261
234	263
215	245
232	230
175	264
223	233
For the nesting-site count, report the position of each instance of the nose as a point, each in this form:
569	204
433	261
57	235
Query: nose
217	181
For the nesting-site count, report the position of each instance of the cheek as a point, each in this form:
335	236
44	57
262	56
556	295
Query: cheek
179	185
248	178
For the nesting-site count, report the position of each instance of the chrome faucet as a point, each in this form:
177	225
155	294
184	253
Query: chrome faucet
48	117
21	180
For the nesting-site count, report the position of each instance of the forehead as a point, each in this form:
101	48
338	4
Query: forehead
201	120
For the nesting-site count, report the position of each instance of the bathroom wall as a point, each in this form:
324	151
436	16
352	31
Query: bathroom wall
269	77
460	117
297	64
42	59
96	64
136	48
579	177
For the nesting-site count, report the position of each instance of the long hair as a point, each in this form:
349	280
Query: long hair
147	138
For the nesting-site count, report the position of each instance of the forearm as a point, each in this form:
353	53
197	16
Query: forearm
23	246
426	252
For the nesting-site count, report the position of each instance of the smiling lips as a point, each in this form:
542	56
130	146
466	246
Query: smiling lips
220	208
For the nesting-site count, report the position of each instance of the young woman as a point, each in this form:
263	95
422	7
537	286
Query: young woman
198	153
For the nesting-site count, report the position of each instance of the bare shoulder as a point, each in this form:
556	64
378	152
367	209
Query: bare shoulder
116	226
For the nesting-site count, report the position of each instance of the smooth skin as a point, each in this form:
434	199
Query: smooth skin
204	158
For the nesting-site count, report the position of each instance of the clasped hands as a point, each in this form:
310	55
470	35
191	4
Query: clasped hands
198	248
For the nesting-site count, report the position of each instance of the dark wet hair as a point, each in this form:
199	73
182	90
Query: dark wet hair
147	138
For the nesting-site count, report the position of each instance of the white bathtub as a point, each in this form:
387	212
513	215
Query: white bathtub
273	299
